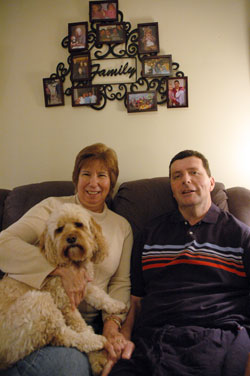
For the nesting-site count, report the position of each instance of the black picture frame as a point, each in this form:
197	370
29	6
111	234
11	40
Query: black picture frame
103	11
157	66
111	33
78	37
53	92
177	92
85	96
148	38
80	67
141	101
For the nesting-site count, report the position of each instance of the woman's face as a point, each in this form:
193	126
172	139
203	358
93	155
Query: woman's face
93	185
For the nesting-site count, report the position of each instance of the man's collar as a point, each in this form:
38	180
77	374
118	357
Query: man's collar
210	217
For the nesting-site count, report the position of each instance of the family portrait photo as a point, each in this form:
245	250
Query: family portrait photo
103	11
142	101
53	92
157	66
177	92
111	33
85	96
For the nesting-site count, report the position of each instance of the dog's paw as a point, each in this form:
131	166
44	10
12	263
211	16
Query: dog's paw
92	342
115	306
97	360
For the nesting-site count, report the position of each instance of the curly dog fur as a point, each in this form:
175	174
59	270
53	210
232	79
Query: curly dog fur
31	318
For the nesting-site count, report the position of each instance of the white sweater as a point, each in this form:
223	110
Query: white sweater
21	258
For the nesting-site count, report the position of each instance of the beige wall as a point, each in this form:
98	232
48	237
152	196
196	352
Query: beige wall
210	40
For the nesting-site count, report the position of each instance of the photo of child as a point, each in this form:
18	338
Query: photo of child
148	37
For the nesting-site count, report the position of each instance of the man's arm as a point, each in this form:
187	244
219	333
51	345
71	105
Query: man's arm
128	325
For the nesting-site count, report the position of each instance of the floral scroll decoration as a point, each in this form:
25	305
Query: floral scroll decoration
128	49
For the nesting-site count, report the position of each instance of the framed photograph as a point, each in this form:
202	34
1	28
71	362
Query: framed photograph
177	92
85	96
78	36
80	67
157	66
142	101
111	33
53	92
148	38
103	11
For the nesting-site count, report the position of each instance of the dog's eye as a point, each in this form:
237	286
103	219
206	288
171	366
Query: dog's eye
59	230
78	224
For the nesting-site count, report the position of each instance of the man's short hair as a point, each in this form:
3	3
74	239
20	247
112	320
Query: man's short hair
190	153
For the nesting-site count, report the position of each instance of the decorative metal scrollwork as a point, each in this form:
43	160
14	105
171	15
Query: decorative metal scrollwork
129	49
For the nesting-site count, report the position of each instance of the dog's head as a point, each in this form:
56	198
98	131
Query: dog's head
72	236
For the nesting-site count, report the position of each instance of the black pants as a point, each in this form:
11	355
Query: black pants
187	351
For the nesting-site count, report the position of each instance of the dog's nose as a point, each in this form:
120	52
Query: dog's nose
71	239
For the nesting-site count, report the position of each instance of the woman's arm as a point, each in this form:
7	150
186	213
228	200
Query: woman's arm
119	284
19	252
74	281
122	347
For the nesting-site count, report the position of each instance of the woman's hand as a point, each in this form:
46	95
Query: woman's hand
74	281
119	346
125	353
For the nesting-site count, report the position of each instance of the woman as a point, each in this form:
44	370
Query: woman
94	176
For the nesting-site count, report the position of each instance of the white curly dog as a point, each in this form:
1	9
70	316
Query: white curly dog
31	318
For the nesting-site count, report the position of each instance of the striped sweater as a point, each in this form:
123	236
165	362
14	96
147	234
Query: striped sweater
193	275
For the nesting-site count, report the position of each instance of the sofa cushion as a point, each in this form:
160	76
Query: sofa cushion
22	198
142	200
239	203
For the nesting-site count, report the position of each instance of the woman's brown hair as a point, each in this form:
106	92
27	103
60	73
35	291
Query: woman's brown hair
101	153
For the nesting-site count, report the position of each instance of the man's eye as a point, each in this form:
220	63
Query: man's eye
59	230
78	224
176	177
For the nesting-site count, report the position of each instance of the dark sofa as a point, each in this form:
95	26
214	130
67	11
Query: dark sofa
139	201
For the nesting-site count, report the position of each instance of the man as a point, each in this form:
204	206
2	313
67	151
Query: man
190	304
178	98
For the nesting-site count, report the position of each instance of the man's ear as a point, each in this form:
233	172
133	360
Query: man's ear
212	183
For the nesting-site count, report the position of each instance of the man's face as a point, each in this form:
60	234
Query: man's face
190	183
176	84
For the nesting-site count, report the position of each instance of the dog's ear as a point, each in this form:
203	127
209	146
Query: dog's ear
42	242
100	246
47	248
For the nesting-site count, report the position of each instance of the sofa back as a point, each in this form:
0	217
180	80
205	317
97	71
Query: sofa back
21	199
139	201
142	200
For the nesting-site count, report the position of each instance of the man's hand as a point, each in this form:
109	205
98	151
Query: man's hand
118	346
74	281
125	353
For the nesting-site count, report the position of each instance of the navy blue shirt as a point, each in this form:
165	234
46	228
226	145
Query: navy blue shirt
193	275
